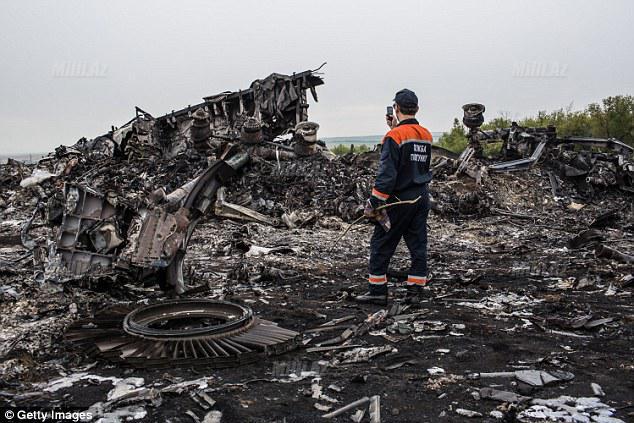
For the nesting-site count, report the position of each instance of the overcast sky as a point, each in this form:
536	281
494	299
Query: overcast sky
516	57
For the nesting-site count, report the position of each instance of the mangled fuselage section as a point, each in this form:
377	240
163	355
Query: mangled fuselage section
103	233
270	107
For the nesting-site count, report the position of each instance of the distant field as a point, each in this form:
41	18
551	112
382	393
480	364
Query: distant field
26	158
363	140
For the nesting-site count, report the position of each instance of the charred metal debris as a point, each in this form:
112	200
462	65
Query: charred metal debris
523	147
112	215
194	332
127	202
532	270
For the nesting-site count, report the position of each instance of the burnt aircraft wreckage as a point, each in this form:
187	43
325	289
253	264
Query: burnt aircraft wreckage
103	233
524	146
132	198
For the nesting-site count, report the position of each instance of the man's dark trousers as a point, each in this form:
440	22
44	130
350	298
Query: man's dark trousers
409	221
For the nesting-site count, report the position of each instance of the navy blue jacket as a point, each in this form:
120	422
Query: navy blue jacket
404	168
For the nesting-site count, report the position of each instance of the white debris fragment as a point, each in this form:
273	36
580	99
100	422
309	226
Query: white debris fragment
296	377
429	325
569	409
498	303
256	251
322	407
11	222
317	392
610	291
357	416
335	388
531	377
381	332
200	383
125	387
118	415
596	388
606	419
37	177
468	413
316	388
213	416
325	397
496	414
68	381
361	354
433	371
375	409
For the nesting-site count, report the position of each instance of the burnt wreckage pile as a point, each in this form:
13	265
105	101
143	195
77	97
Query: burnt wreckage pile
125	205
528	317
132	198
525	146
127	202
590	165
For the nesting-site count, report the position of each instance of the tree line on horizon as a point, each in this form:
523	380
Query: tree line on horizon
613	117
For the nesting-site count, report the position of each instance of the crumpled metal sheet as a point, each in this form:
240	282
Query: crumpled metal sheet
90	232
154	237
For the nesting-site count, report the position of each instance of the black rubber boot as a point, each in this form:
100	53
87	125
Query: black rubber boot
372	298
414	294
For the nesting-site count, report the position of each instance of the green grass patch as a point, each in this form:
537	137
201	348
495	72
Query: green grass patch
341	149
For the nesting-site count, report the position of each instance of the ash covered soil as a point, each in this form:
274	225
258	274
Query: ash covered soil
510	291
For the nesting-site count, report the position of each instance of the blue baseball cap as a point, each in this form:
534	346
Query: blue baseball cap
406	98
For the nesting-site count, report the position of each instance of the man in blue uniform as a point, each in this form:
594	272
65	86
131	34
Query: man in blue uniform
404	173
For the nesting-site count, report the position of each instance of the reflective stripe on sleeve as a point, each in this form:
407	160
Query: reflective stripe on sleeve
378	194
